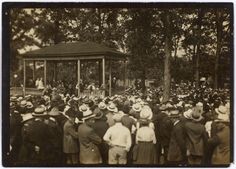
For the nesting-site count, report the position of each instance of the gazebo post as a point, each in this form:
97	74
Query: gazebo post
110	78
103	76
45	72
78	74
34	70
24	81
54	70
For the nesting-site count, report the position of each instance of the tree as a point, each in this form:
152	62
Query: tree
139	41
167	75
21	22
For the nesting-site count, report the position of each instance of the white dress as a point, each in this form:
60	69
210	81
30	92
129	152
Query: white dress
40	84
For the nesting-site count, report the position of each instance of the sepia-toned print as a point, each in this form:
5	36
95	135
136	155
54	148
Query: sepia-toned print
118	85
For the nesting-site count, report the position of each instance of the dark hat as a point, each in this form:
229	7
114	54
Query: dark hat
98	113
196	116
70	112
56	98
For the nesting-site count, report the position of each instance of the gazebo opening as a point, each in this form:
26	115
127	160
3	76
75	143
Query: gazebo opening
83	68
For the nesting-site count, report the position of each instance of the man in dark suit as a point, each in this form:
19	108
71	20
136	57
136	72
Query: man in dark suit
36	137
88	139
56	135
177	147
163	125
100	127
196	138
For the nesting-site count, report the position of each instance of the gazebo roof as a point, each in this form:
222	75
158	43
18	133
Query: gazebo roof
74	50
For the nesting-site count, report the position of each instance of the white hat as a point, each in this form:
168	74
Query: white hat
199	104
26	117
203	79
39	111
137	107
117	117
138	100
146	113
188	105
23	103
88	114
102	106
223	117
83	108
223	114
188	114
112	107
221	110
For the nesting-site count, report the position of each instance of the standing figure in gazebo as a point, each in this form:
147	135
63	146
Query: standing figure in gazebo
40	84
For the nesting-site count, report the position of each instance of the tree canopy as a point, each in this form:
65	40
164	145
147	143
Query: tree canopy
196	41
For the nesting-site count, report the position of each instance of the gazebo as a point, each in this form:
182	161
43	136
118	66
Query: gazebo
75	52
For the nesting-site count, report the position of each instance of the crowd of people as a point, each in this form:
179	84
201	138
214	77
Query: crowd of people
133	128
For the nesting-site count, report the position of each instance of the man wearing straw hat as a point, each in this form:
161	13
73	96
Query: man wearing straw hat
196	137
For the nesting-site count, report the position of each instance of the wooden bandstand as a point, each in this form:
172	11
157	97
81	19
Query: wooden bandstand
75	52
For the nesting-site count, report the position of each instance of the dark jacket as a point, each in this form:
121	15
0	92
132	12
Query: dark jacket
100	126
221	153
196	137
164	127
56	135
70	138
89	152
177	146
36	133
127	121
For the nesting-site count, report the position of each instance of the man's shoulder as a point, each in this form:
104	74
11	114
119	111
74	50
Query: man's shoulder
85	128
124	129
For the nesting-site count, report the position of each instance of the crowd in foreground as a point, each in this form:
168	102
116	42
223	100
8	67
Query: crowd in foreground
191	128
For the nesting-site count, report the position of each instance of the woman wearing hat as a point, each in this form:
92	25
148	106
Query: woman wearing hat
70	147
144	152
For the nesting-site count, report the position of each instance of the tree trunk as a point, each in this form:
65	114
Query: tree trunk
167	76
198	31
143	80
218	48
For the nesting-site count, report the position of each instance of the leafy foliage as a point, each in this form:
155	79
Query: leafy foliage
139	32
